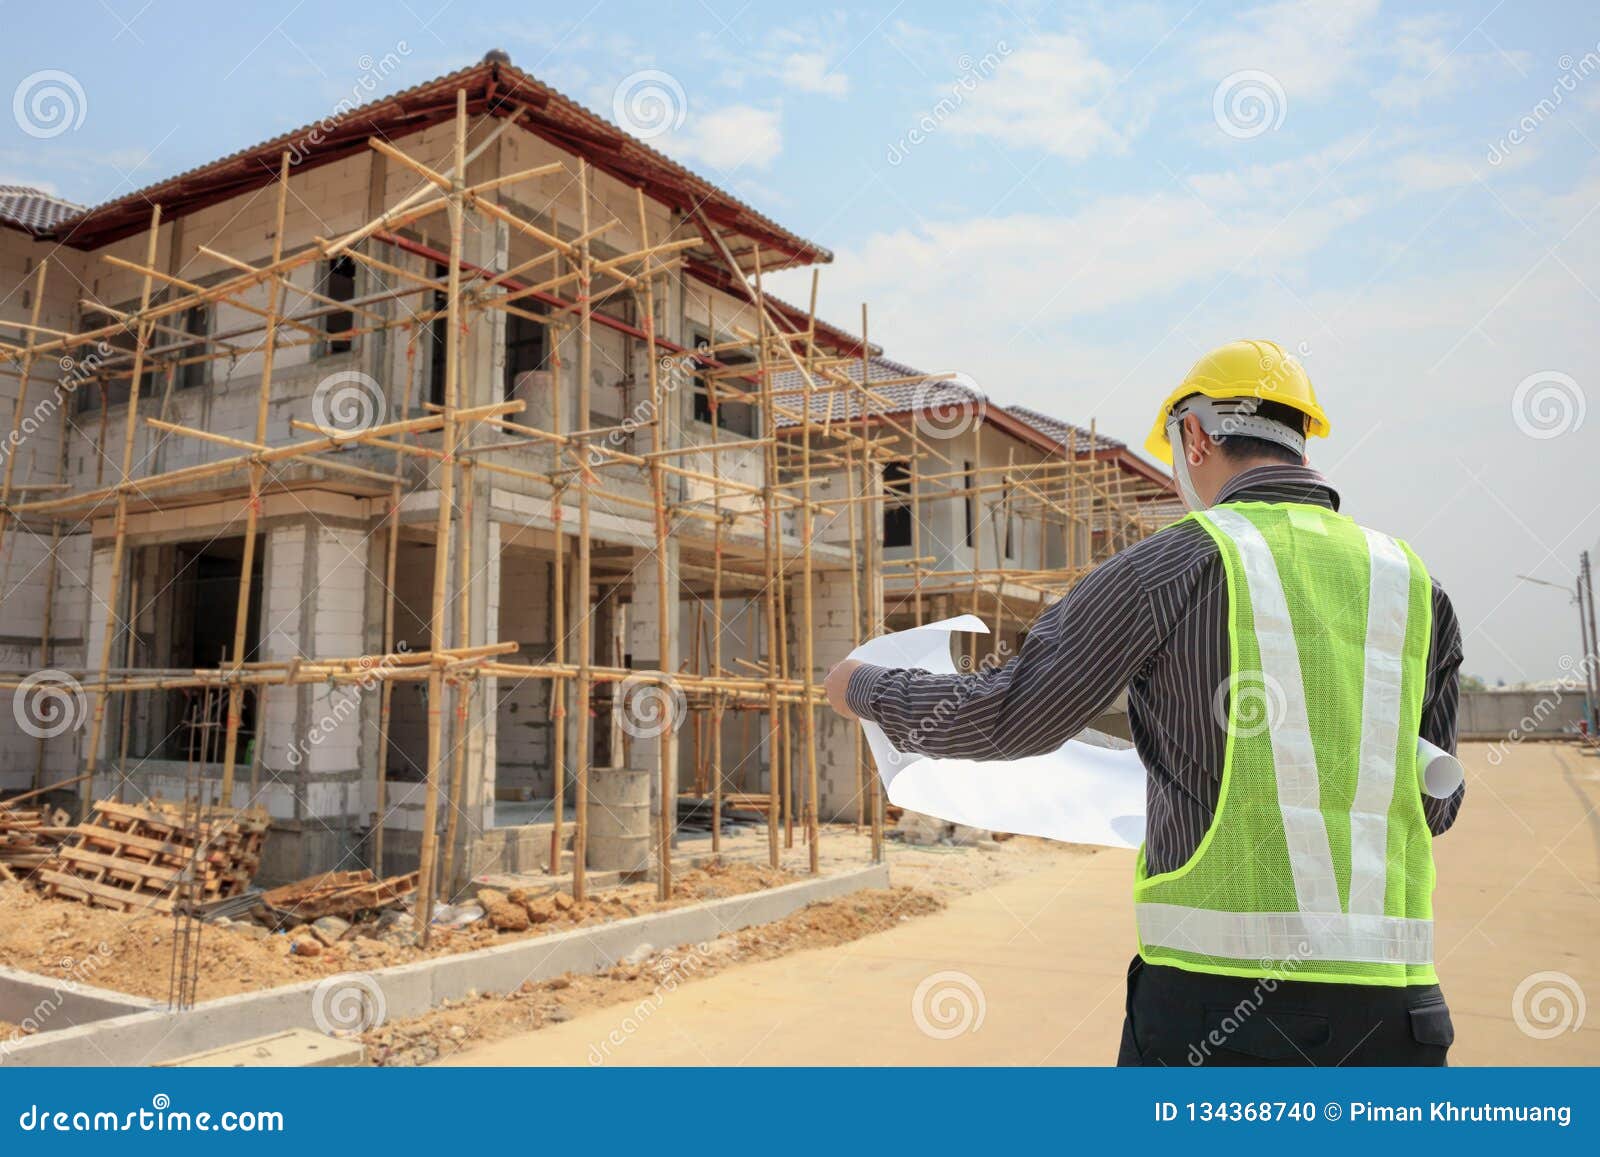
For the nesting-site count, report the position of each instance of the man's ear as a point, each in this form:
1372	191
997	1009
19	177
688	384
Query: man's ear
1196	440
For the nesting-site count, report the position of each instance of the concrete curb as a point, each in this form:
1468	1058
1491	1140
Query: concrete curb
150	1037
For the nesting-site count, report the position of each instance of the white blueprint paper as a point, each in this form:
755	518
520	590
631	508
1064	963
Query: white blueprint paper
1078	793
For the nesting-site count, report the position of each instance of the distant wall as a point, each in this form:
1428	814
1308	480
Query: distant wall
1530	714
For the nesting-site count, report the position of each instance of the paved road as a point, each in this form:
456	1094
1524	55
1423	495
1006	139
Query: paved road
1041	958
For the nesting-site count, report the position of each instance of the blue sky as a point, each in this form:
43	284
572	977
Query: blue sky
1068	202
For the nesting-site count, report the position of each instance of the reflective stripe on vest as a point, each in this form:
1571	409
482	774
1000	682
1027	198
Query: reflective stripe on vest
1294	760
1271	936
1321	929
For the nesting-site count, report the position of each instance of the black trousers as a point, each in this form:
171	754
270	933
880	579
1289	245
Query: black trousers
1176	1017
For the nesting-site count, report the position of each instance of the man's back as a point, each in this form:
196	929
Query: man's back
1154	621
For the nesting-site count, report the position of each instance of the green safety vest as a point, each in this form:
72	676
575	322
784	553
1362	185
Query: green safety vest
1318	864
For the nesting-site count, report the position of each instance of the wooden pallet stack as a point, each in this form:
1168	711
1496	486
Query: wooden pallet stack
337	894
131	857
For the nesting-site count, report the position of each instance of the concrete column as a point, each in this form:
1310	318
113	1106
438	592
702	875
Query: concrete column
314	605
833	638
481	384
626	800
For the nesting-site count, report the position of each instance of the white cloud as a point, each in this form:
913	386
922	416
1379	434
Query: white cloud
1429	63
809	72
729	138
1312	47
1049	94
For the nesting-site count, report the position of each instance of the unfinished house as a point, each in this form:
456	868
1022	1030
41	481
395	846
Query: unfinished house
440	479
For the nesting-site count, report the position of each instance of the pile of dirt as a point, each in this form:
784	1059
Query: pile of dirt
483	1017
133	953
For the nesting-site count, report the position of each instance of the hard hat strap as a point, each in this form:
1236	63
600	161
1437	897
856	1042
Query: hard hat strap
1236	417
1180	463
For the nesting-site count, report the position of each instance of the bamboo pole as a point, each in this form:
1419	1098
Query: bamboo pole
441	548
718	705
580	832
666	627
120	542
872	580
241	616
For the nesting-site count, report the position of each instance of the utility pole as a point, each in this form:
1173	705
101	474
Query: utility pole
1591	649
1583	595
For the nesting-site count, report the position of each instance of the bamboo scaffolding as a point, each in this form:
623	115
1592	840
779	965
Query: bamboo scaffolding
738	537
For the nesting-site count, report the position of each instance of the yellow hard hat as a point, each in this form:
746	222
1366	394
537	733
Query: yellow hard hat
1243	369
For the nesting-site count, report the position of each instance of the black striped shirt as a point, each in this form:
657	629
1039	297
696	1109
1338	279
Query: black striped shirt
1153	620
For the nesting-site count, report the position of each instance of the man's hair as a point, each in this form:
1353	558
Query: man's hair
1242	447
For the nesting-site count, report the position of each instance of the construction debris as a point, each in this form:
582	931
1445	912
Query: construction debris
337	894
29	839
134	857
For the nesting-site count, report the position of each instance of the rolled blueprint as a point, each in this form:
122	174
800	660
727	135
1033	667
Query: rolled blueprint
1440	772
1080	793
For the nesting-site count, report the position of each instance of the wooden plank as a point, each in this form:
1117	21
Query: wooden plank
135	868
91	890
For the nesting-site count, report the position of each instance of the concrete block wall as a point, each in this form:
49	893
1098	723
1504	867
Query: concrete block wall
833	638
524	740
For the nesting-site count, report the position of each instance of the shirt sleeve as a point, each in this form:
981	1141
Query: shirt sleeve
1078	656
1441	702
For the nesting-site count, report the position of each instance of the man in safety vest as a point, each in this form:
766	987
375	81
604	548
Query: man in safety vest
1281	663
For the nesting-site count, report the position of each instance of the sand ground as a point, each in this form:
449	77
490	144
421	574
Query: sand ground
1027	969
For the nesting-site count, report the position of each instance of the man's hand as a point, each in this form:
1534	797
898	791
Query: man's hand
836	682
